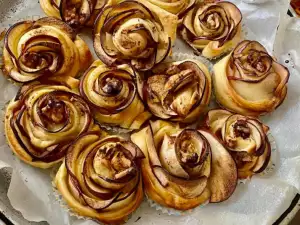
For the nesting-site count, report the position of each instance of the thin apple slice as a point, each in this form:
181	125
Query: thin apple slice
53	22
223	176
263	160
216	118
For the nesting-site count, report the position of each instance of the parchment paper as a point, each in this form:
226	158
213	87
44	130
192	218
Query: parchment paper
260	201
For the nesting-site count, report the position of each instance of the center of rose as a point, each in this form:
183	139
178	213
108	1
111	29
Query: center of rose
33	60
115	162
260	66
188	153
241	129
212	20
174	69
254	58
119	162
54	110
112	86
71	13
131	38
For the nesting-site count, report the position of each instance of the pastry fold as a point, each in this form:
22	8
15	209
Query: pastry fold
100	178
134	32
76	13
212	28
245	138
44	49
112	95
43	120
178	91
184	168
249	81
177	7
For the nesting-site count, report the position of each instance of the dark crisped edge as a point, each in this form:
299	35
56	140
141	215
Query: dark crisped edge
267	160
263	137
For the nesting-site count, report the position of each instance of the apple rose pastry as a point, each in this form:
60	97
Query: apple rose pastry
184	168
112	95
43	120
249	81
245	138
46	48
178	91
76	13
212	28
134	32
100	178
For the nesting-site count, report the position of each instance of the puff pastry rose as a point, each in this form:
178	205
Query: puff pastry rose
134	32
246	139
100	178
177	7
178	91
184	168
46	48
112	95
43	120
212	28
76	13
249	81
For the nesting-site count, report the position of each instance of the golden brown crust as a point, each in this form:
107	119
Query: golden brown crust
245	138
81	14
119	199
142	35
35	127
178	91
153	191
212	28
250	90
49	50
182	181
112	95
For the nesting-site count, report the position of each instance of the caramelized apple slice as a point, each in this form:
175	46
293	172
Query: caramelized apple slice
223	176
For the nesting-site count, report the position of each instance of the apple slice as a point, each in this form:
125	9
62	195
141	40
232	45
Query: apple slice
223	177
263	160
